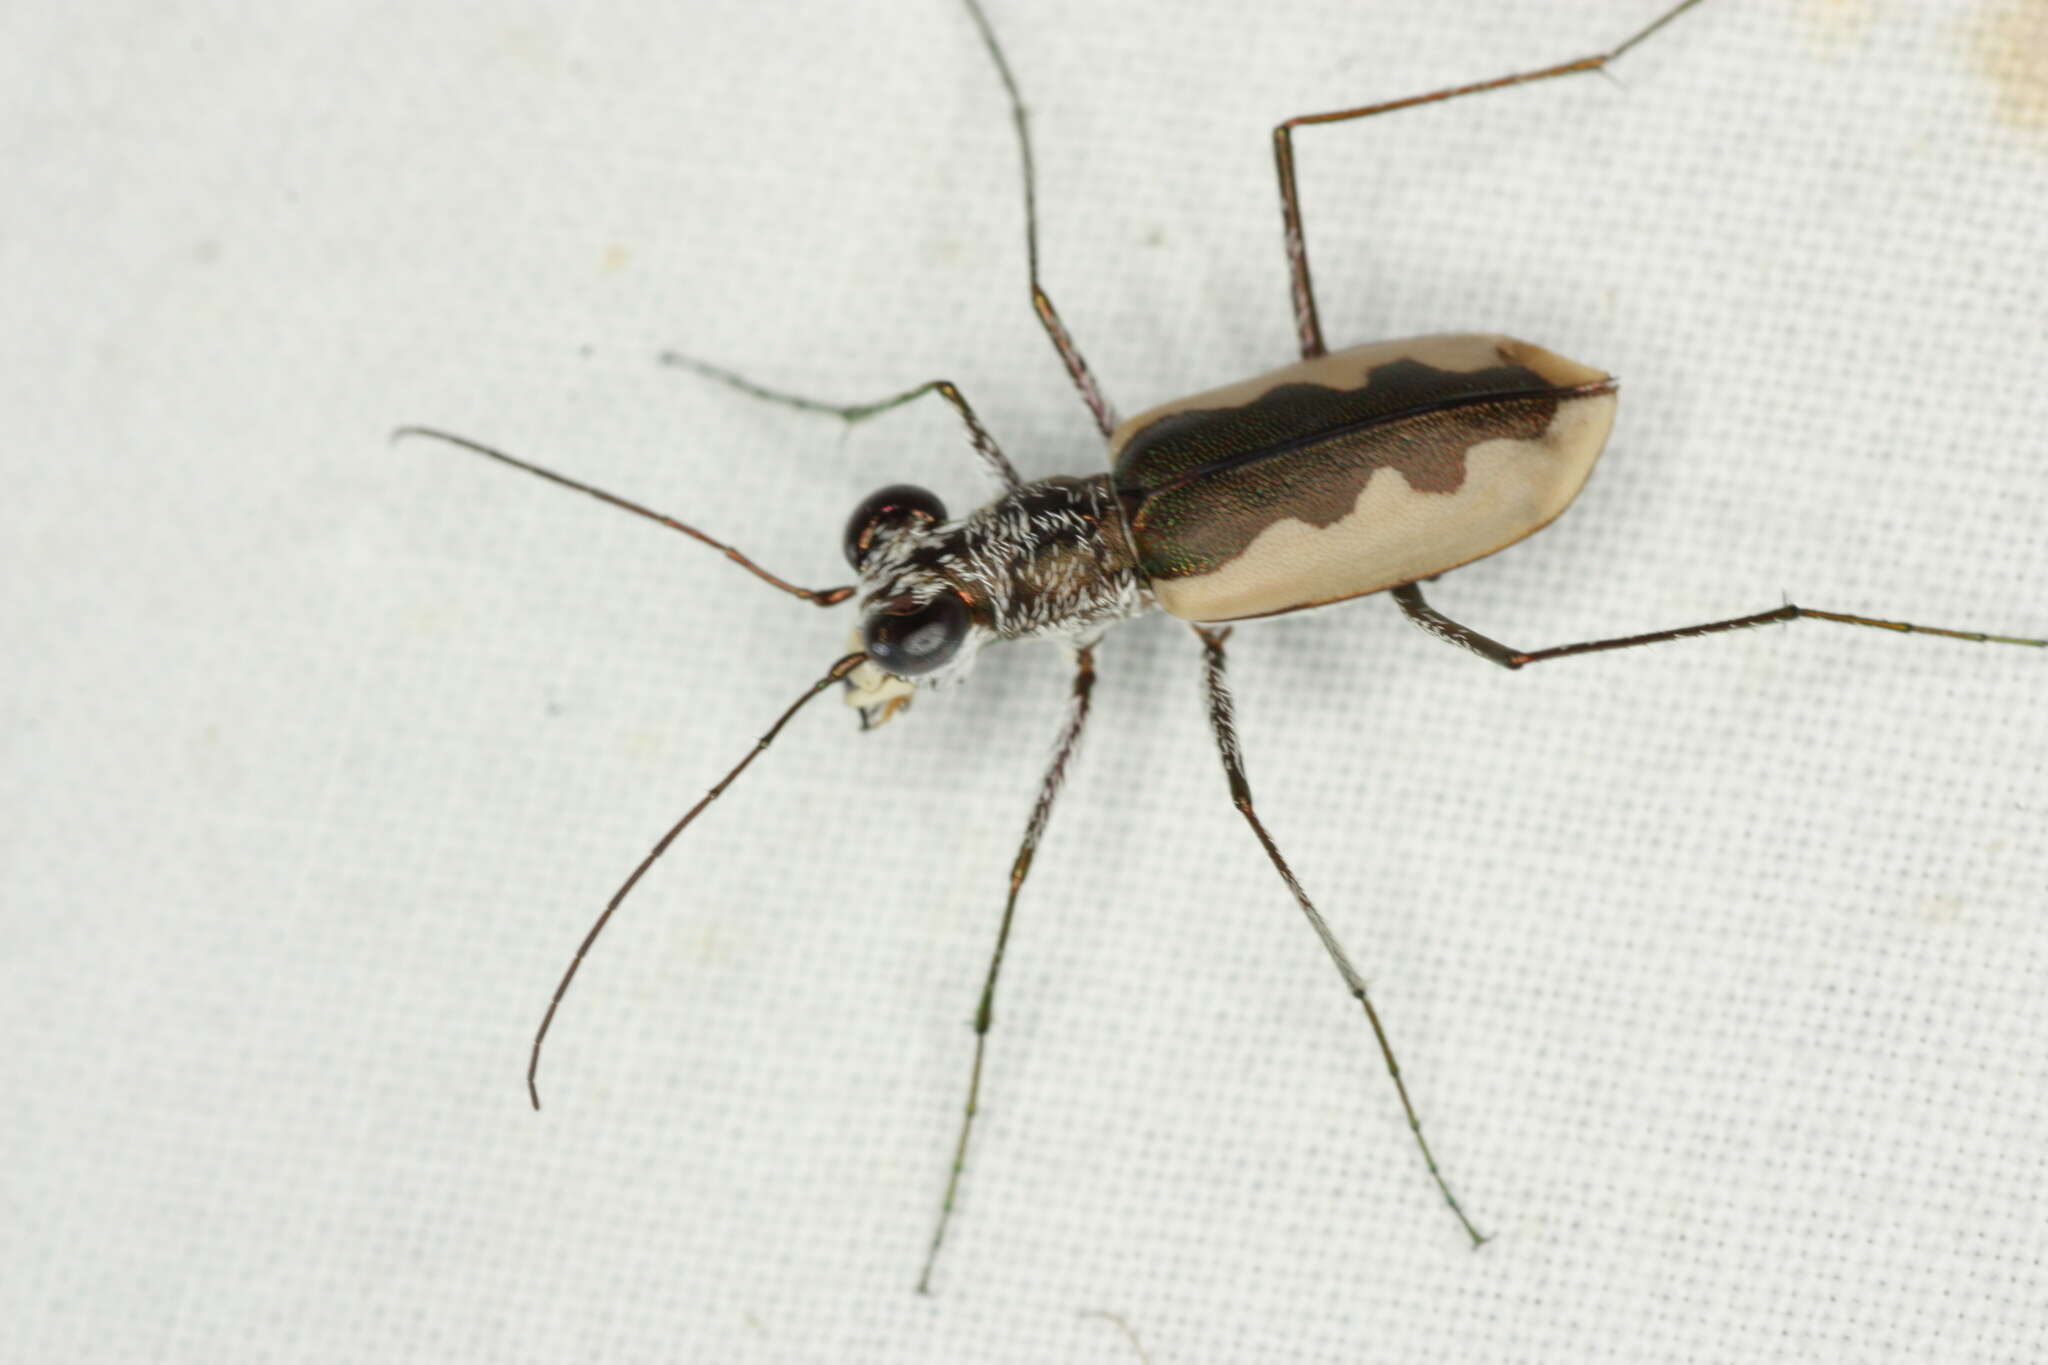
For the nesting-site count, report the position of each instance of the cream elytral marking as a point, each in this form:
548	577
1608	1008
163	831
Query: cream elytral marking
1351	369
1396	534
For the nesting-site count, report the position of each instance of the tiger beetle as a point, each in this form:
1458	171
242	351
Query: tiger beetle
1365	470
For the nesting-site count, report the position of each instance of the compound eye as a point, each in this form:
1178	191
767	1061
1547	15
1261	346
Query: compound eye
886	512
907	638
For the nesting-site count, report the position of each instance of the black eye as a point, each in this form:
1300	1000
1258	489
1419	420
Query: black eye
894	507
908	639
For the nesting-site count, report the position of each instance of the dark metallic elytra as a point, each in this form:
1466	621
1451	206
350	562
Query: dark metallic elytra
1367	470
1199	485
1349	473
1171	451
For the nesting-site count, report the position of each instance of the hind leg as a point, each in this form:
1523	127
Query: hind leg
1306	324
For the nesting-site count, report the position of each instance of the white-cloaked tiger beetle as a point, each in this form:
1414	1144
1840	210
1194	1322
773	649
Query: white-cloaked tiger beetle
1365	470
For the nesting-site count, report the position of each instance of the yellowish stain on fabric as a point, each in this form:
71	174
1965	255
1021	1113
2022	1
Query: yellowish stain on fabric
1841	26
2011	43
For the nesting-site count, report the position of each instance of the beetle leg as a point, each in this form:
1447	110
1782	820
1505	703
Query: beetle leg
1444	628
850	413
1041	302
1223	721
1306	323
1020	868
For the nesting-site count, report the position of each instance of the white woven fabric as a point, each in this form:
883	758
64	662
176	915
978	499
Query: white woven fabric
1717	969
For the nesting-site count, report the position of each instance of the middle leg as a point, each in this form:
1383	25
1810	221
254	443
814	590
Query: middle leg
1041	302
1222	720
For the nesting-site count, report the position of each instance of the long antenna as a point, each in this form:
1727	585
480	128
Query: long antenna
832	675
824	597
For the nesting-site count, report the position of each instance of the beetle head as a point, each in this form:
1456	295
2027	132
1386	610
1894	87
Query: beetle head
920	625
